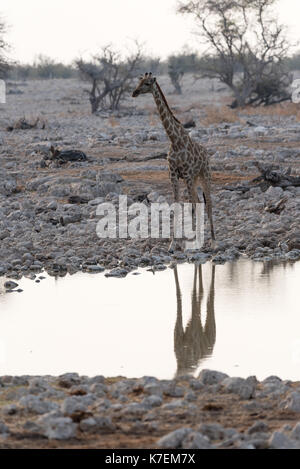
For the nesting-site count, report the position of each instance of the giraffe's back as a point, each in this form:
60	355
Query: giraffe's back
190	161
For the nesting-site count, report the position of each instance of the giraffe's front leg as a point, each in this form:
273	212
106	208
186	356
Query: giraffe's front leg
208	202
174	245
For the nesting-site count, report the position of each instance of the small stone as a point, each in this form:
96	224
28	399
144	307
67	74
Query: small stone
275	192
293	255
259	131
98	389
211	377
20	381
55	426
230	441
219	259
274	388
135	408
214	431
292	402
152	401
174	439
79	390
190	396
117	272
296	432
73	405
10	285
10	409
104	404
68	379
31	427
245	388
153	388
173	405
196	385
257	427
272	379
280	441
97	201
52	205
231	432
3	428
95	269
174	391
196	440
94	424
245	445
36	405
97	379
37	385
153	197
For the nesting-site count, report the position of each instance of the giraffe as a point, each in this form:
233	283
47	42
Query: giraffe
187	159
195	342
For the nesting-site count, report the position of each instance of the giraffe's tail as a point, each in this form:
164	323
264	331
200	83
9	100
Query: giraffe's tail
200	194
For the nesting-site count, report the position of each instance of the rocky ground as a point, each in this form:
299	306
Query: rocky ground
212	411
48	209
48	222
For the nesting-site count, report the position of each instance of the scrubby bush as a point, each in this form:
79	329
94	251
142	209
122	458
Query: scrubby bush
111	77
43	68
248	48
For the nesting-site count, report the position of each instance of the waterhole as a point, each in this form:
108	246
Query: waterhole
241	318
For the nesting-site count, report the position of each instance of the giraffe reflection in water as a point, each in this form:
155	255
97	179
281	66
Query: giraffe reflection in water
196	341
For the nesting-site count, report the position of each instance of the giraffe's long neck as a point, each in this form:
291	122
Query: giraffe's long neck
174	129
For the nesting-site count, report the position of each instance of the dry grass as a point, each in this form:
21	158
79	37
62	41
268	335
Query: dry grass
280	110
221	178
152	114
220	114
113	121
150	176
223	113
153	119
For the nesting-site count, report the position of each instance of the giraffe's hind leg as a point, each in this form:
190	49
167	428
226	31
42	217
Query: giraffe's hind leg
205	186
194	200
201	194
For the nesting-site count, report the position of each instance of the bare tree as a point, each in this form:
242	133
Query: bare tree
151	63
249	48
111	77
180	64
4	65
176	72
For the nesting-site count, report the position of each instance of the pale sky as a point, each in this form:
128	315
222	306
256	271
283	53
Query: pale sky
67	29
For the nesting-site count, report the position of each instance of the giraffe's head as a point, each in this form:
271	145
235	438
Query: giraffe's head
145	85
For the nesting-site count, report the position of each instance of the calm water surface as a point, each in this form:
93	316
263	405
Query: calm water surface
241	318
